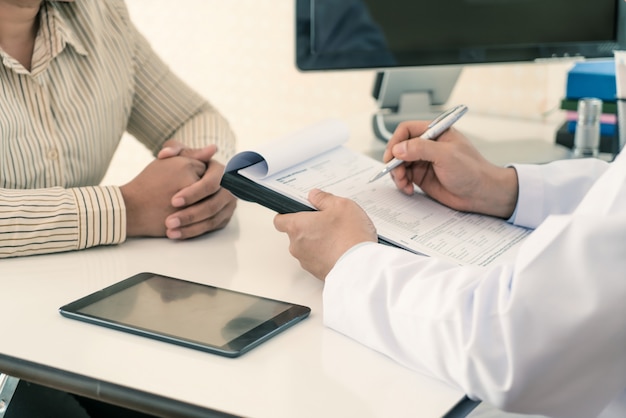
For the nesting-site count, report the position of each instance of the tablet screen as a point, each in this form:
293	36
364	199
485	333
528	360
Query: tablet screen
192	314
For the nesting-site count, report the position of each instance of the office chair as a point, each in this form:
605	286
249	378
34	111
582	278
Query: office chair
8	385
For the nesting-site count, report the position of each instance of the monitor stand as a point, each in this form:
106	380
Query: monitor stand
415	93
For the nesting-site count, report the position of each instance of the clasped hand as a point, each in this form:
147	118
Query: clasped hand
178	195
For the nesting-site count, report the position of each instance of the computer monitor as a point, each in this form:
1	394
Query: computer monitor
421	46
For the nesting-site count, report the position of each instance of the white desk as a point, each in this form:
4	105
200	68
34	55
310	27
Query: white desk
307	371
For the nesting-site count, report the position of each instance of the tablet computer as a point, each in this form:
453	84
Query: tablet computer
193	315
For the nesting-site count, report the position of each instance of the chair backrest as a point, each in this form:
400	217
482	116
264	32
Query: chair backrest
8	385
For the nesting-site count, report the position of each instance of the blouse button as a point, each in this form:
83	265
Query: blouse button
52	154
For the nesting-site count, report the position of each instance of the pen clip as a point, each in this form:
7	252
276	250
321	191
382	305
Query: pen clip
443	115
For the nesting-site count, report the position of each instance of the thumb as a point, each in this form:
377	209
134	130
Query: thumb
320	199
201	154
169	151
175	148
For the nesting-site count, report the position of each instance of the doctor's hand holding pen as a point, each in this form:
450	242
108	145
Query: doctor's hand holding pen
451	170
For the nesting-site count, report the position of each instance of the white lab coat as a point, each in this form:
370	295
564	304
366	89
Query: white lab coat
543	335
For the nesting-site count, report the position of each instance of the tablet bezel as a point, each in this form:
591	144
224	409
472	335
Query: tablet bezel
233	348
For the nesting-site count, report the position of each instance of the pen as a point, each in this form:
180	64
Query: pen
435	128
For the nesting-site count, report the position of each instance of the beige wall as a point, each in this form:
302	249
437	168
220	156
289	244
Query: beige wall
240	55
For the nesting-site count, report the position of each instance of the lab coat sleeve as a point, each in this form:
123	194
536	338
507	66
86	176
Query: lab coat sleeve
554	188
545	335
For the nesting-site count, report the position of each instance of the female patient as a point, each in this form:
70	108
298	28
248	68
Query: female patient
75	76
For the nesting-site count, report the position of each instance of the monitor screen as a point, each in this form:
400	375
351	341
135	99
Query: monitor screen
350	34
421	46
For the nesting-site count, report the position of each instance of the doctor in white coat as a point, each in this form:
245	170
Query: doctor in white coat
545	334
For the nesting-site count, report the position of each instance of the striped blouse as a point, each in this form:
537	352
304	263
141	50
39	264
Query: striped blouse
93	77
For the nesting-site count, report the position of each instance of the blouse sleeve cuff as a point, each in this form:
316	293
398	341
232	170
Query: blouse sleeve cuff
102	216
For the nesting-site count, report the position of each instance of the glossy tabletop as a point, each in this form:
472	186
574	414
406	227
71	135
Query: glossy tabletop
306	371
